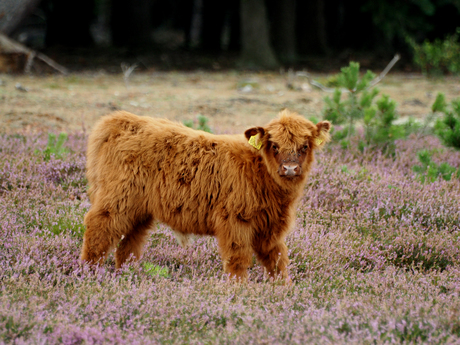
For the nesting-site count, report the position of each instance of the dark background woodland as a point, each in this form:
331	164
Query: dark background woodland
213	34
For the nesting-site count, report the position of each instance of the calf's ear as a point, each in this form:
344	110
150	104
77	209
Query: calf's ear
323	136
254	131
254	136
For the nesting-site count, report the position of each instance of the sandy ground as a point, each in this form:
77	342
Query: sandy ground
76	102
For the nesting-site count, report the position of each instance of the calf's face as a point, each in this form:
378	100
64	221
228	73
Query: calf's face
287	143
289	163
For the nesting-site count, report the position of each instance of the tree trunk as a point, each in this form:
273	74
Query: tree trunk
130	23
256	51
283	19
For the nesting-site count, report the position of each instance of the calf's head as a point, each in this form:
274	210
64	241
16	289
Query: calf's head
287	144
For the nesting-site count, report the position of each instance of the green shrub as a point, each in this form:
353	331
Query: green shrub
202	124
188	123
438	57
429	171
155	270
447	127
314	119
55	147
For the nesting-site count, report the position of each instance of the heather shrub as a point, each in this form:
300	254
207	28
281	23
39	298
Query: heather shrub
418	256
374	259
447	127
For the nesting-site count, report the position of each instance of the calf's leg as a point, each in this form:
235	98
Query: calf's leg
235	250
104	230
100	236
274	258
237	260
133	243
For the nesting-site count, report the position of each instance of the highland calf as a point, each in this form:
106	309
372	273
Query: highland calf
243	191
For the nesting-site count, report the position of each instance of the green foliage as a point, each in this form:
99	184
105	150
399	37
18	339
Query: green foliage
397	19
188	123
64	225
429	171
331	81
155	270
438	57
67	219
377	116
14	329
447	127
340	111
349	78
378	123
202	124
335	109
314	119
55	147
440	104
344	169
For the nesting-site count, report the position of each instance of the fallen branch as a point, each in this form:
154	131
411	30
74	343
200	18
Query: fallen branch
372	83
52	63
385	71
7	45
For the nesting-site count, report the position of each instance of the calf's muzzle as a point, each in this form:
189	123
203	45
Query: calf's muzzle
290	166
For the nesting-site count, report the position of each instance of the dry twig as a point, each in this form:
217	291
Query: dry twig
127	71
372	83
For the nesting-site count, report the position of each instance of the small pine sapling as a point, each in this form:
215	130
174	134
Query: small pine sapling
378	123
359	106
429	171
447	127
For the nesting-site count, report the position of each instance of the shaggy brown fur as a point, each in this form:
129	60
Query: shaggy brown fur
142	169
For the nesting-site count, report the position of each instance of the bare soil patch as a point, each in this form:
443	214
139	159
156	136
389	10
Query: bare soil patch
76	102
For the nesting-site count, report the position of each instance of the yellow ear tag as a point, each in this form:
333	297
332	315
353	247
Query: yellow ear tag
257	144
318	141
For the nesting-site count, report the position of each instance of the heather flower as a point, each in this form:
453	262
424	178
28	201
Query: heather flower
374	255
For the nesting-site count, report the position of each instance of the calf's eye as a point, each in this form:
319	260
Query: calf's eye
305	148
